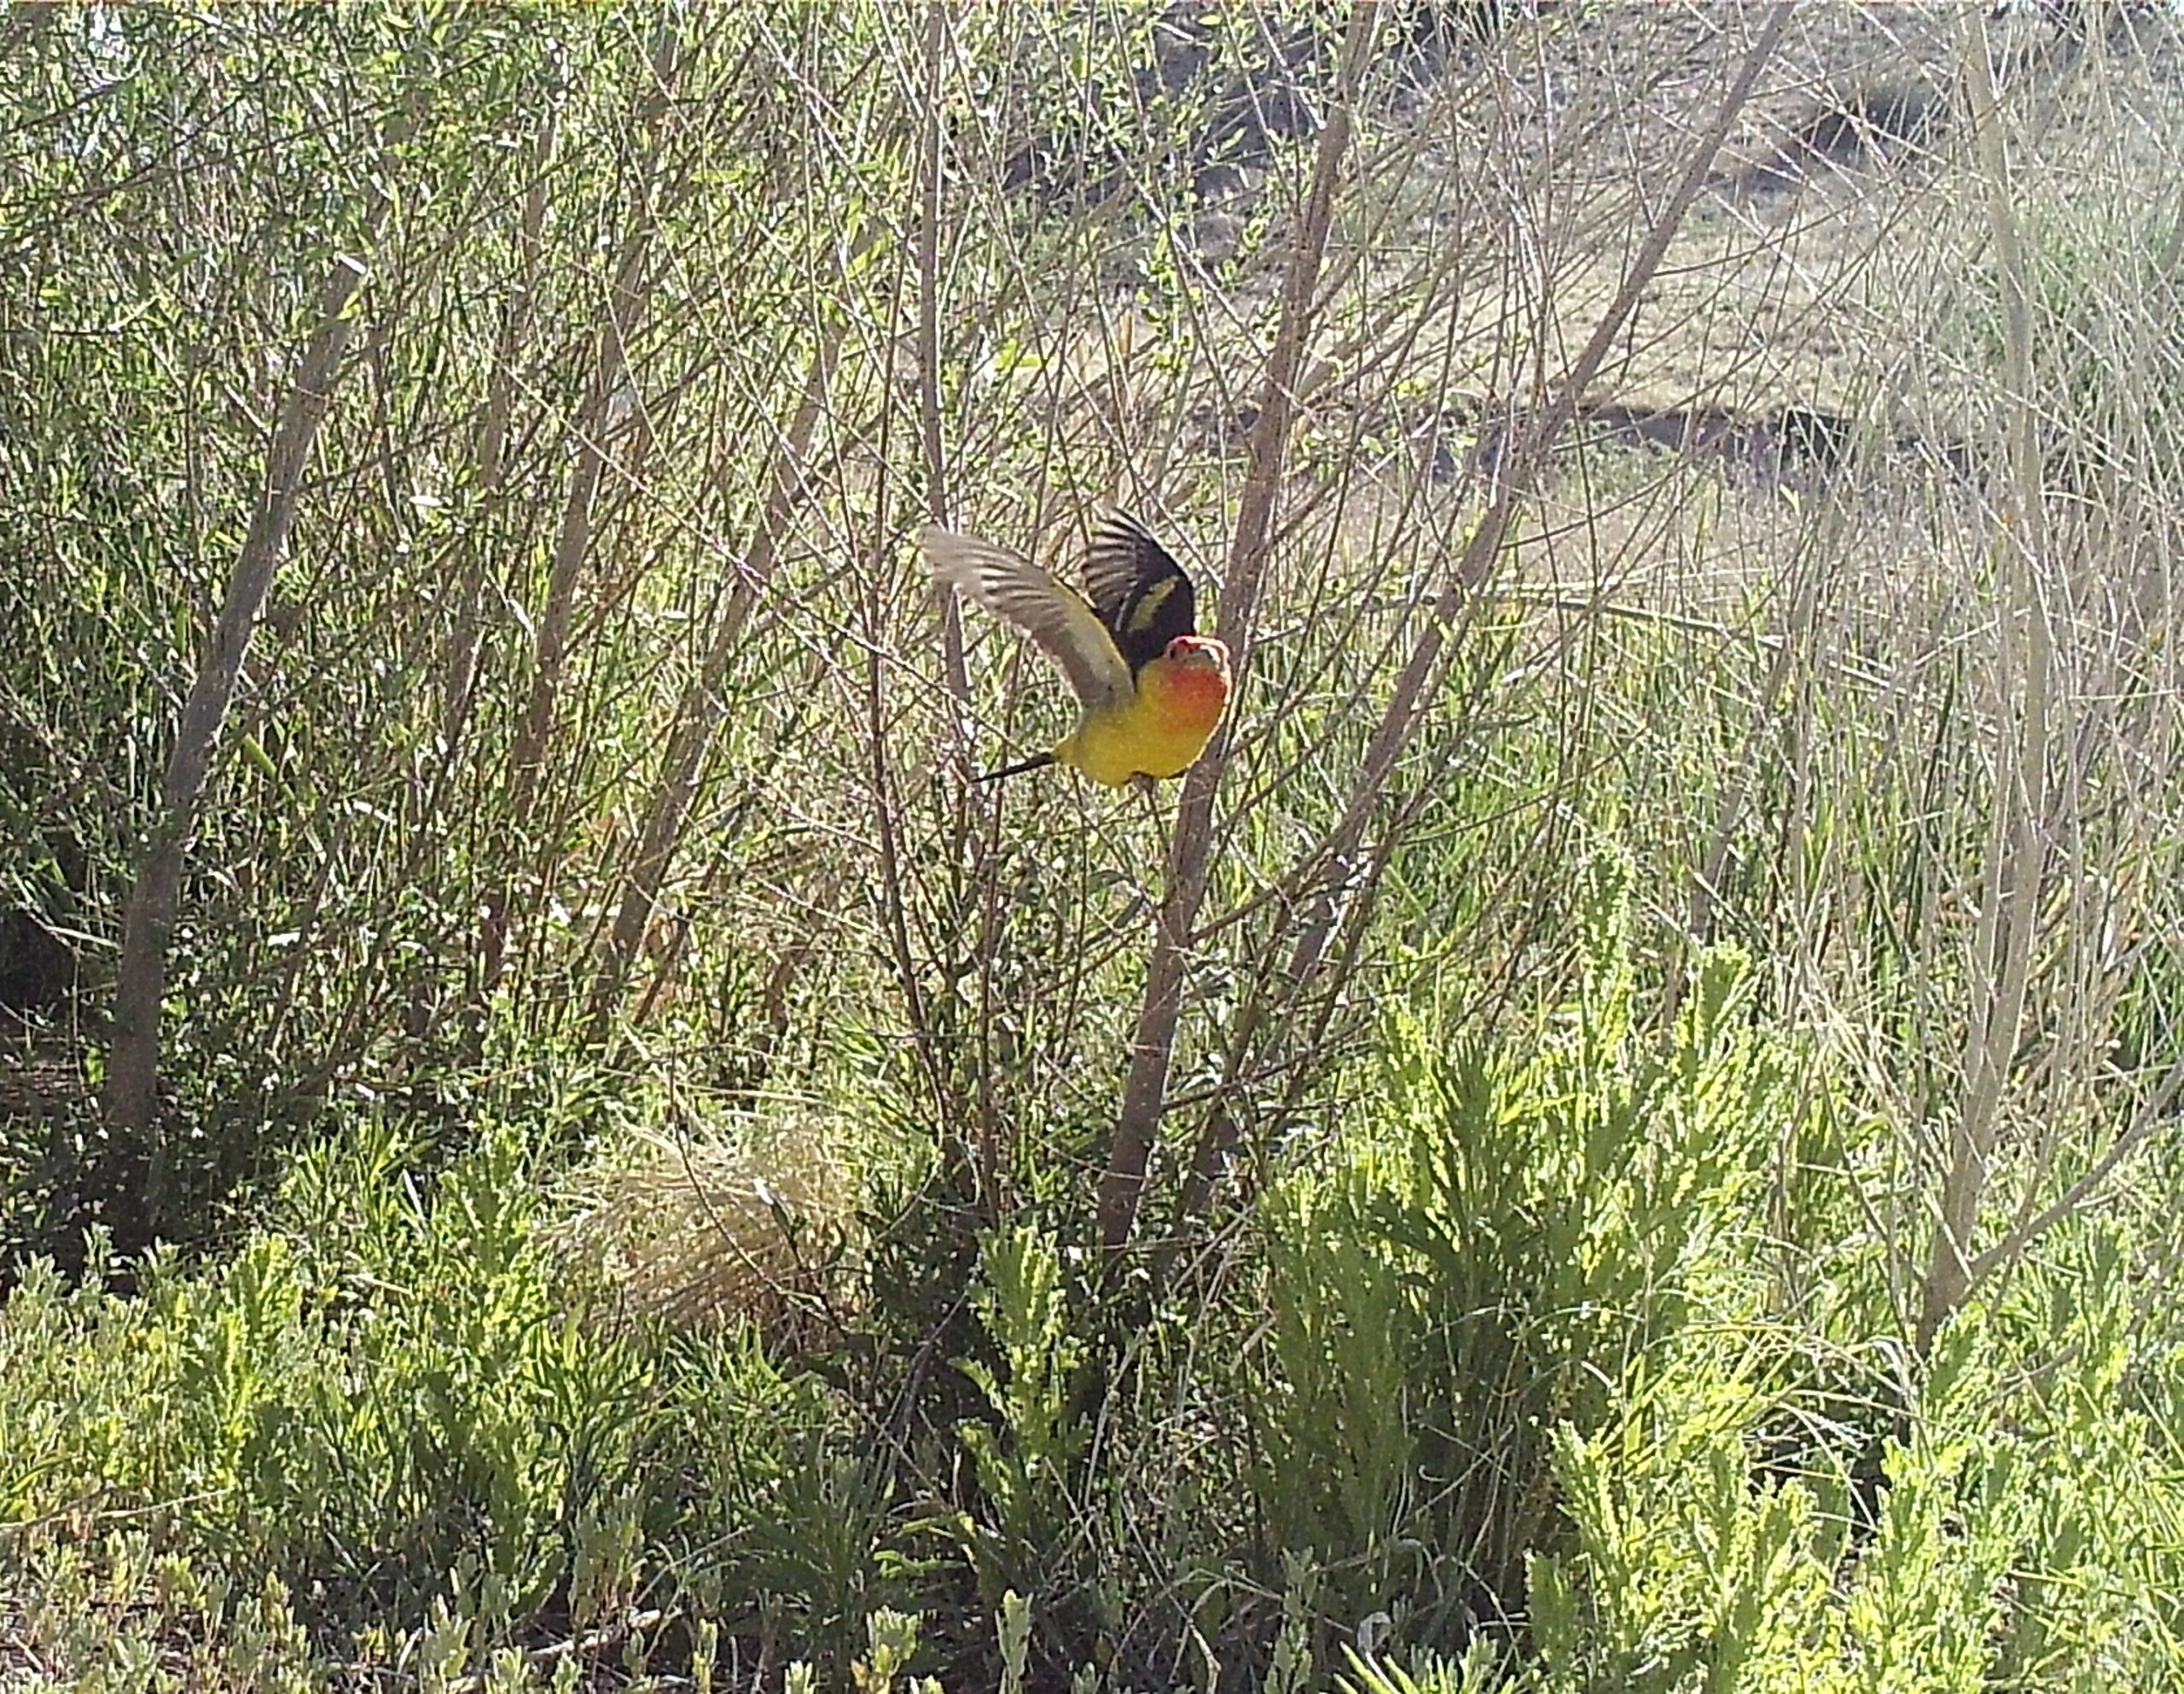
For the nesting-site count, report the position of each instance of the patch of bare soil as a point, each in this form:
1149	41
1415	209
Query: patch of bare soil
1828	268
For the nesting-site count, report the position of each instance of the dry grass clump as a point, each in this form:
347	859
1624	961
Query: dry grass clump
757	1227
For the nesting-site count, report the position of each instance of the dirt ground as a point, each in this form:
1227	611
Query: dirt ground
1825	266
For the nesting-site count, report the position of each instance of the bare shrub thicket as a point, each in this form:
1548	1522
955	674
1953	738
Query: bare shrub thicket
590	690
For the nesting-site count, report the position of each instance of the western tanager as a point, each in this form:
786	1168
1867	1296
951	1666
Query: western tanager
1153	688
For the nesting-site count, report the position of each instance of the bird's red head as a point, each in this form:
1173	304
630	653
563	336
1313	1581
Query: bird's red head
1199	652
1187	690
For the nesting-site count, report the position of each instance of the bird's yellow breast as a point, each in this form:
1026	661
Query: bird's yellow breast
1159	732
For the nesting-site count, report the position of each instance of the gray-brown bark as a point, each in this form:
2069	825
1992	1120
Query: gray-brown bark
628	300
132	1076
1153	1047
700	713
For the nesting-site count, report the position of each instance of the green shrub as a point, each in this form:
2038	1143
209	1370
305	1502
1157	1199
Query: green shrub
1522	1236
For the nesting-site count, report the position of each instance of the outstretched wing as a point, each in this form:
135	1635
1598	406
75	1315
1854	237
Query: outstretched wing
1049	611
1140	592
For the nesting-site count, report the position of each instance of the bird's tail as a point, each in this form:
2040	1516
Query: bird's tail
1036	761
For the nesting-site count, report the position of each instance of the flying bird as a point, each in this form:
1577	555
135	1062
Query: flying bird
1152	689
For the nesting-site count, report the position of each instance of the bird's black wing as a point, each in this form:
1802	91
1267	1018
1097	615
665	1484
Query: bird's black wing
1138	590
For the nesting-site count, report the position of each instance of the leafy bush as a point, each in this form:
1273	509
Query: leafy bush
1530	1227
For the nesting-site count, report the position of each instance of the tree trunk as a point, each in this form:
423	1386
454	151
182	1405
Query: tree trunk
132	1076
699	714
629	298
1153	1048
